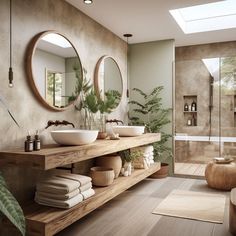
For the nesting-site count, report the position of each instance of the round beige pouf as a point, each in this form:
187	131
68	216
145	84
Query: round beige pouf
221	176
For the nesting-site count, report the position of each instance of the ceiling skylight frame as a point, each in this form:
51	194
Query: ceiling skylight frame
207	17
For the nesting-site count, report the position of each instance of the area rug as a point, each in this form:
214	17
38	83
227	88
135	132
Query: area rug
193	205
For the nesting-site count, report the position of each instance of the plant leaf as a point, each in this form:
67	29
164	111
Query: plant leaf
4	104
10	207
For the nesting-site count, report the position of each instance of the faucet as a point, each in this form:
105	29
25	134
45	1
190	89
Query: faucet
57	122
115	121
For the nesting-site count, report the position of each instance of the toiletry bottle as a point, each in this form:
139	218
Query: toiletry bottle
189	121
28	144
193	106
186	107
194	121
37	142
189	107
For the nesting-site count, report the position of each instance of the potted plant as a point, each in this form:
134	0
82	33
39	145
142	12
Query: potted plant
106	106
90	104
8	204
127	158
154	117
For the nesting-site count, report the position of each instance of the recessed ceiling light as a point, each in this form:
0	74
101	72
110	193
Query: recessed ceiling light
88	1
57	40
206	17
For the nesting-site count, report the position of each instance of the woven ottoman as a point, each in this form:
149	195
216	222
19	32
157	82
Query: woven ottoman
221	176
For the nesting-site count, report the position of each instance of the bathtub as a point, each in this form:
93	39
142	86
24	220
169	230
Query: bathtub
185	137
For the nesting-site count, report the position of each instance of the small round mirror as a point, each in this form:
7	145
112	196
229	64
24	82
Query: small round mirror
54	70
108	78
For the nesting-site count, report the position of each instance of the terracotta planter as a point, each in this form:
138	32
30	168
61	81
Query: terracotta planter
110	161
162	173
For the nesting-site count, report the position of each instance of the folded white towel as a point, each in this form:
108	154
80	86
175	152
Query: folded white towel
62	197
82	179
57	185
88	193
148	154
60	204
85	187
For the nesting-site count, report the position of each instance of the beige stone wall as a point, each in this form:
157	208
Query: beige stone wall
192	78
91	41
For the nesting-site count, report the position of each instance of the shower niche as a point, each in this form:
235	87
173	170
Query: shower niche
190	110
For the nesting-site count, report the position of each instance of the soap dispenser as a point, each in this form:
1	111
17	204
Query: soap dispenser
37	142
28	143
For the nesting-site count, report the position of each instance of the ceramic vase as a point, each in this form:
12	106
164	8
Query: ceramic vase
110	161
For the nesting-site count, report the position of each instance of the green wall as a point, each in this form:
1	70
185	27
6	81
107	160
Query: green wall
151	65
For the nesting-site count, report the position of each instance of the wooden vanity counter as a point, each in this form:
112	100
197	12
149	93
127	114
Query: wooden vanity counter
53	156
47	221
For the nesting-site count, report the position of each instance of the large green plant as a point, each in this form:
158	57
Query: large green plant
10	207
90	104
150	113
8	204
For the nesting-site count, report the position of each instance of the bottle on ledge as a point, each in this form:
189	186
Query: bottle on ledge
189	121
186	107
194	106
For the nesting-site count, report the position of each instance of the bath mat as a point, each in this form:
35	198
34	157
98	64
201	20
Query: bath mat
193	205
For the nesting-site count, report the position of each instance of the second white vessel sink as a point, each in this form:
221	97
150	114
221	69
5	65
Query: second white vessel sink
128	131
74	136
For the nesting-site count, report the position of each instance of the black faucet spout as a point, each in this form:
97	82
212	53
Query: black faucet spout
115	121
57	122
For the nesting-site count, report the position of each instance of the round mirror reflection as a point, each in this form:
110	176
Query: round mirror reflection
108	78
54	69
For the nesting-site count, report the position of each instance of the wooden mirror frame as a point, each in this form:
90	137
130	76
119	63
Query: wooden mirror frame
29	69
96	78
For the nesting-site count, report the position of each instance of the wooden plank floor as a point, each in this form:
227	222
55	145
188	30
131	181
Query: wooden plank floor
190	169
129	214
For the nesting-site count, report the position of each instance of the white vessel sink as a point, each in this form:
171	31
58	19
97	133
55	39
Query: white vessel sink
130	131
74	136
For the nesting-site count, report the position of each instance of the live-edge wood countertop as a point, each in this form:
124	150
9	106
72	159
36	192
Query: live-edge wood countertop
53	156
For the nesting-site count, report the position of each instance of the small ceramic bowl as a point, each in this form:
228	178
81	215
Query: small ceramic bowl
102	176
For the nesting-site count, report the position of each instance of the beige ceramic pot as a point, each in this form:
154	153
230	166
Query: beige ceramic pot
110	161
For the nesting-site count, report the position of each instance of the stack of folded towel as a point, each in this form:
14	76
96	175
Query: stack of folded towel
64	190
146	157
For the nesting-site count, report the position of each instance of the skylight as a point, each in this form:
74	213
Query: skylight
206	17
57	39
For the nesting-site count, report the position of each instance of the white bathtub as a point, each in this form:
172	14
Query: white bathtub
185	137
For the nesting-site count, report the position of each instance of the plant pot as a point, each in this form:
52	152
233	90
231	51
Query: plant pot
162	173
110	161
128	168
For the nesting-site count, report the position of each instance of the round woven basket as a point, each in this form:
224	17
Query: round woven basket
102	176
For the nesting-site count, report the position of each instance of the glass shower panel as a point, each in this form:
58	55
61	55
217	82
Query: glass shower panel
228	106
197	93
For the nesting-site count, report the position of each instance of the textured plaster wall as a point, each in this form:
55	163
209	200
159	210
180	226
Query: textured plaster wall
91	41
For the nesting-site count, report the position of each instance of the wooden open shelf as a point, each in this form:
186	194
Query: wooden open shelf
48	221
42	220
54	155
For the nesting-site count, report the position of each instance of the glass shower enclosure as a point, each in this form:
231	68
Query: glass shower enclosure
205	112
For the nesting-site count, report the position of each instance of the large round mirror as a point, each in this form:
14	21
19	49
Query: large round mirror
108	78
54	70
